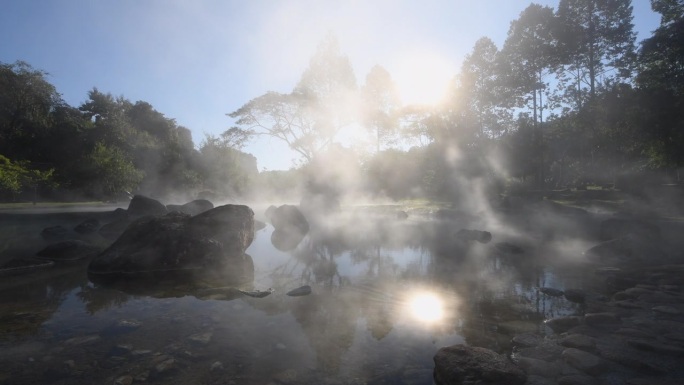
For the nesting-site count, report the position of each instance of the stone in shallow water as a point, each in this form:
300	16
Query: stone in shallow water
202	338
666	310
563	324
551	291
459	364
579	341
583	361
526	340
533	366
575	295
300	291
598	319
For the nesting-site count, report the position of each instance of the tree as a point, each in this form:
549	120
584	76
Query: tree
309	118
26	102
596	38
380	103
531	51
111	173
481	89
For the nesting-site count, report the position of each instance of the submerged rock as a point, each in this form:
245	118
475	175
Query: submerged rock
88	226
474	235
67	251
459	364
258	293
300	291
54	232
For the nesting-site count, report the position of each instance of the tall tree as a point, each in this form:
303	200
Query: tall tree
531	53
597	41
380	104
310	117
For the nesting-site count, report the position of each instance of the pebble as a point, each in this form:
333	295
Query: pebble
578	341
583	361
217	365
124	380
202	338
563	324
165	366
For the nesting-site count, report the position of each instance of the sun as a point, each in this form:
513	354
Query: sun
422	78
426	307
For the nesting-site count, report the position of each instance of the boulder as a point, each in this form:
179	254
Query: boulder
192	208
141	206
290	227
631	250
613	228
563	324
212	243
88	226
113	230
54	232
459	364
474	235
67	251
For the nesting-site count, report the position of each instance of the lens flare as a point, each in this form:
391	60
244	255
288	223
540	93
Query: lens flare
426	307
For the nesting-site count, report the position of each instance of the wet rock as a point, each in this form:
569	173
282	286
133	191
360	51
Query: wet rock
547	350
216	366
578	341
290	227
600	319
656	347
473	235
671	310
613	228
177	245
54	232
517	327
538	380
563	324
289	376
526	340
629	250
197	206
68	251
629	332
83	340
88	226
583	361
508	248
459	364
124	380
575	295
142	206
551	292
300	291
202	338
577	380
258	293
533	366
120	350
114	229
165	366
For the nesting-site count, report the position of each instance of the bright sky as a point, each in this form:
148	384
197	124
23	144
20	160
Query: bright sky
195	61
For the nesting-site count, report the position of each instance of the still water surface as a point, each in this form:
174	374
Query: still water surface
384	299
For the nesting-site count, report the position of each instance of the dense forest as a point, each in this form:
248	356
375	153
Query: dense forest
570	99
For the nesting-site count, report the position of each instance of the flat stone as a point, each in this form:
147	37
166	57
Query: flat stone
120	350
577	379
459	364
538	380
583	361
84	340
598	319
575	295
629	332
216	366
563	324
666	310
517	327
288	376
124	380
627	304
526	340
579	341
201	338
533	366
165	366
656	347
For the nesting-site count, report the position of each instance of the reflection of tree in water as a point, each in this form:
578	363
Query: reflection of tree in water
97	298
27	301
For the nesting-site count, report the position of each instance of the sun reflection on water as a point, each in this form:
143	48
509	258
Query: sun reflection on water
426	307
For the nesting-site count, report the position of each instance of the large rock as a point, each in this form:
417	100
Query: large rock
192	208
459	364
211	243
290	227
613	228
631	250
141	206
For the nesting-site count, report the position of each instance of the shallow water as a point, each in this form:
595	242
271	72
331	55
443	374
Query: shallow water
384	299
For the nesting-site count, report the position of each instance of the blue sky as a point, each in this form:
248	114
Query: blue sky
195	61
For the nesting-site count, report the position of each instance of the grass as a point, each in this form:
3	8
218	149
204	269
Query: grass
54	205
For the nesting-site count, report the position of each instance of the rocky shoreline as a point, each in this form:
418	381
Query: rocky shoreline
632	333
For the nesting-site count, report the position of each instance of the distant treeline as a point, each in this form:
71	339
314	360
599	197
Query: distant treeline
569	99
